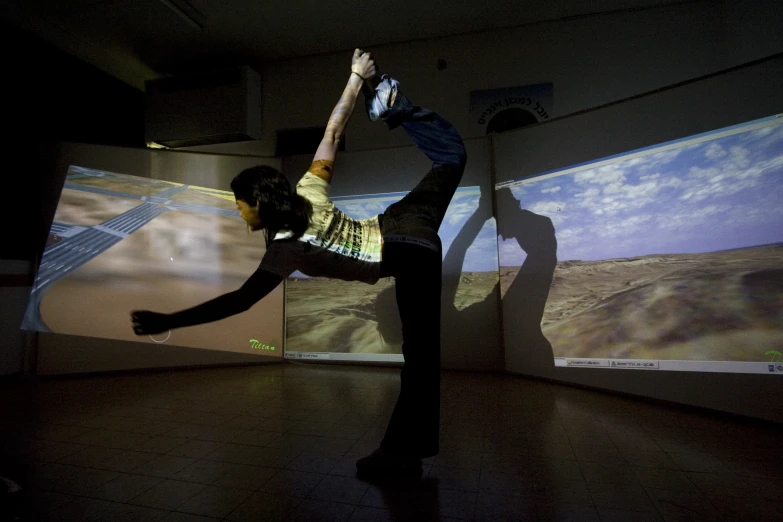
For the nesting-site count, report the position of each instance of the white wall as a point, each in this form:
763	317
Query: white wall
707	105
591	61
63	354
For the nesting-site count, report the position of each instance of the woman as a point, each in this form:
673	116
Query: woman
305	232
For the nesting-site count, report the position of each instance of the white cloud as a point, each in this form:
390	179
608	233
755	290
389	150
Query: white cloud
739	157
628	227
484	246
633	162
658	159
489	226
601	175
714	151
642	190
698	172
460	210
362	210
613	209
687	217
760	139
569	233
729	177
510	253
588	194
619	197
551	190
671	182
547	208
518	191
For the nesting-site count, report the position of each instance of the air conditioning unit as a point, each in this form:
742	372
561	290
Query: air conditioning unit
217	107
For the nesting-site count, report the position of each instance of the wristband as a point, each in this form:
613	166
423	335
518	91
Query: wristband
359	75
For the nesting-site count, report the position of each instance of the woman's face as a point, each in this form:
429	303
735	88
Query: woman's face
250	215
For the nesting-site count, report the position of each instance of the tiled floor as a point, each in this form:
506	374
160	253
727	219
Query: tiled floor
279	443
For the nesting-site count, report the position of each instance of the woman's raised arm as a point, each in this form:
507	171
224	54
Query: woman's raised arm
362	68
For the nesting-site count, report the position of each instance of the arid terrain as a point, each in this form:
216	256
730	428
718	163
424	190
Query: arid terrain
325	315
720	306
176	261
125	184
87	209
199	197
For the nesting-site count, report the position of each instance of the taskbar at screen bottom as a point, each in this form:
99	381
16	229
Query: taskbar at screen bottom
352	357
768	367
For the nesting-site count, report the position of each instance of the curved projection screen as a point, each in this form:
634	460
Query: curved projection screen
120	243
668	257
352	321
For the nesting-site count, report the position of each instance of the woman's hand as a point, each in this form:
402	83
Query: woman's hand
363	64
149	323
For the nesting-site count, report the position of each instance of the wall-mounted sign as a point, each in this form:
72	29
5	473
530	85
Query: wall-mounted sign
500	110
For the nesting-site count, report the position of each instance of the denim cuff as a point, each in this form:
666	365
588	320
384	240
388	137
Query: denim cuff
400	111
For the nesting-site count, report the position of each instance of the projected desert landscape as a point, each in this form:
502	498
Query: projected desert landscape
326	315
722	306
120	243
670	254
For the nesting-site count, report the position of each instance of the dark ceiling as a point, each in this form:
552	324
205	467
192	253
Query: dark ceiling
140	39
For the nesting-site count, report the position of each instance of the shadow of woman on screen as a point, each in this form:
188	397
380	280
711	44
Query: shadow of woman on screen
524	301
470	336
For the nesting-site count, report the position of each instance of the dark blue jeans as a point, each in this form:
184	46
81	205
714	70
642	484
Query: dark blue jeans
412	255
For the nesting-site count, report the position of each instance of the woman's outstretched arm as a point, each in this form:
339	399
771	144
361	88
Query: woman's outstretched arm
362	68
256	288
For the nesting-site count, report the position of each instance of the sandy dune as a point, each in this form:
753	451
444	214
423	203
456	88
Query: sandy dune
326	315
721	306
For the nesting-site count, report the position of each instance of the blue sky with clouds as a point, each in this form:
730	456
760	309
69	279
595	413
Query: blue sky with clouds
715	195
482	256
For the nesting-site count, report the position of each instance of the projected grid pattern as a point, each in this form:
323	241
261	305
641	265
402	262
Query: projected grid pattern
72	246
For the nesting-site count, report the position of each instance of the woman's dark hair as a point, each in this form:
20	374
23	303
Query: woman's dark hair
279	206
